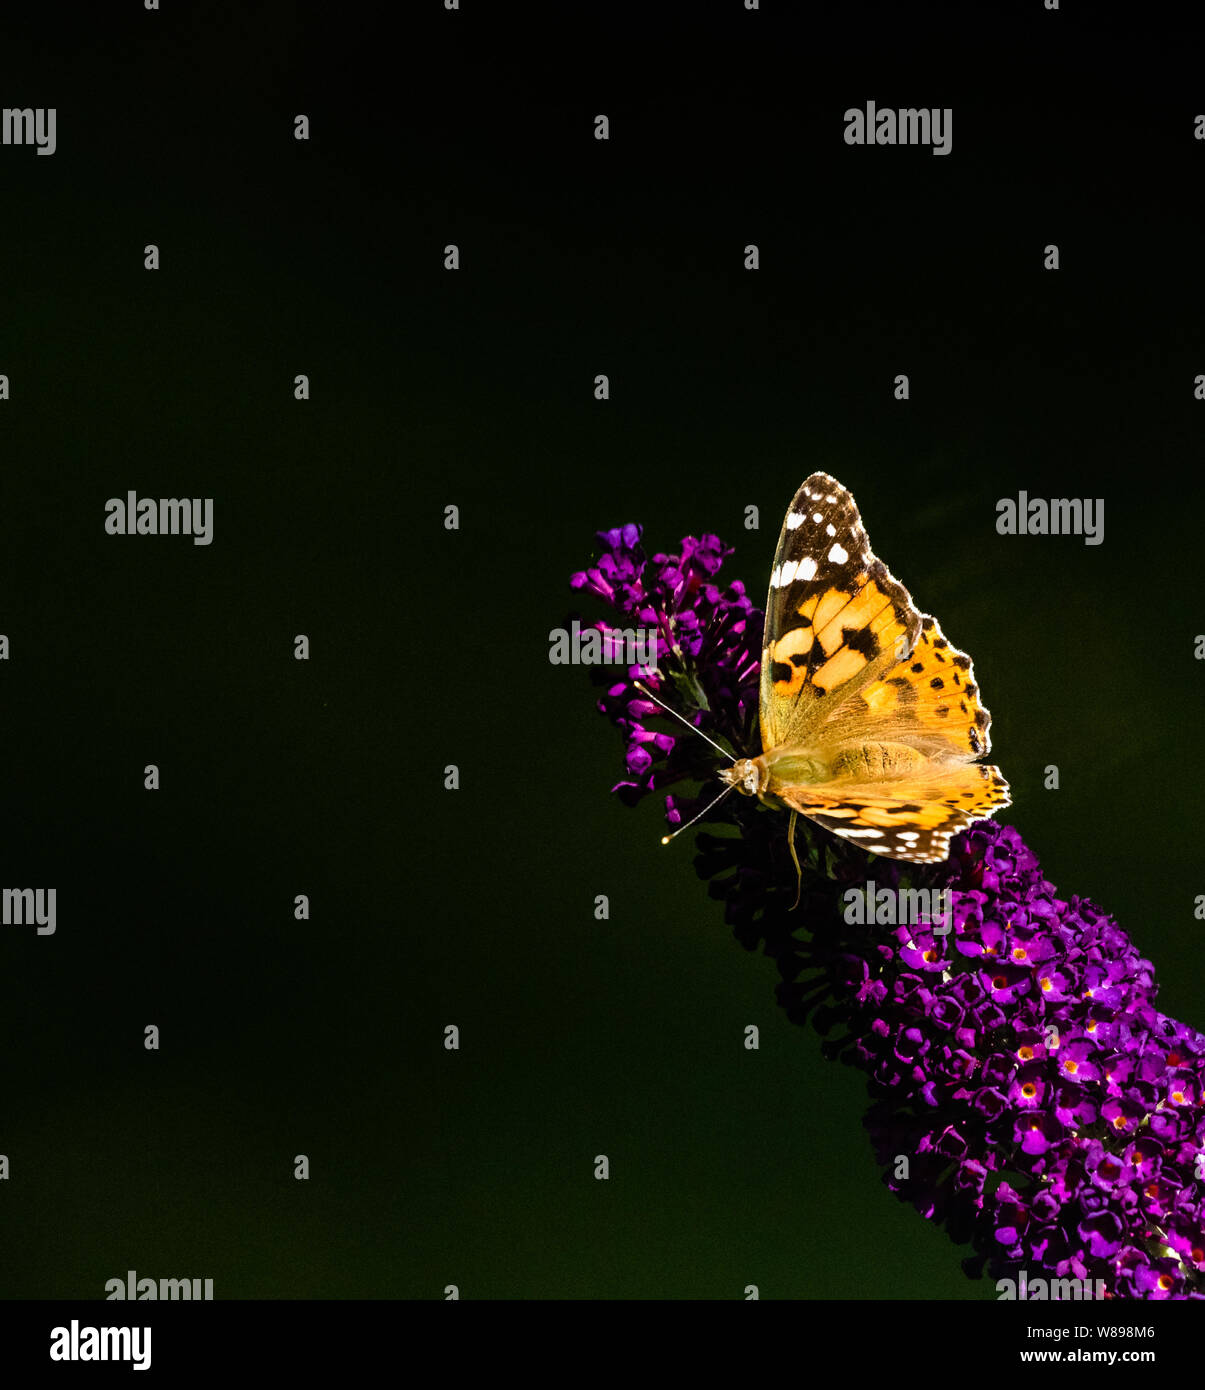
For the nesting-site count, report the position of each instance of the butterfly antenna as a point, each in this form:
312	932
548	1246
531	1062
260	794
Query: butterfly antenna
665	839
646	691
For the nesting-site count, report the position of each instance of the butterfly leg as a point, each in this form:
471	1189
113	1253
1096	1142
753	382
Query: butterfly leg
795	860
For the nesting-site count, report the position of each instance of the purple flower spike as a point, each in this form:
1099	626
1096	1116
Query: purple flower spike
1021	1039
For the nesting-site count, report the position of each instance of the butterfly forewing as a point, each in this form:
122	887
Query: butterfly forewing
836	618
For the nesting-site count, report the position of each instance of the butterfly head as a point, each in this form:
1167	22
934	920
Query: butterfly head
749	776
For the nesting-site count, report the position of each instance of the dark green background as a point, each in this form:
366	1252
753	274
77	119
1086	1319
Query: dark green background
476	388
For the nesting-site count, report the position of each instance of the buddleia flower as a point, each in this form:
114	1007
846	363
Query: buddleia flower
1052	1118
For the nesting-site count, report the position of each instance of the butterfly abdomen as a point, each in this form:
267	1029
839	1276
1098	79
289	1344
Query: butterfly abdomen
860	762
872	762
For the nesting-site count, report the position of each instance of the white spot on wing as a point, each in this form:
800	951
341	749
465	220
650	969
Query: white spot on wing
831	529
807	568
817	516
838	555
795	520
788	573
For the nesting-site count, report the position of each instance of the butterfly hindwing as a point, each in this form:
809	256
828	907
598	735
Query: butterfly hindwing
911	817
836	619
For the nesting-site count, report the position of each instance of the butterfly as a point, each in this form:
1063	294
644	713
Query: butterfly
871	722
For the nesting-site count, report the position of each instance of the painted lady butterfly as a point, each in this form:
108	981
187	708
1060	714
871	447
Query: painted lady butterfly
870	719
